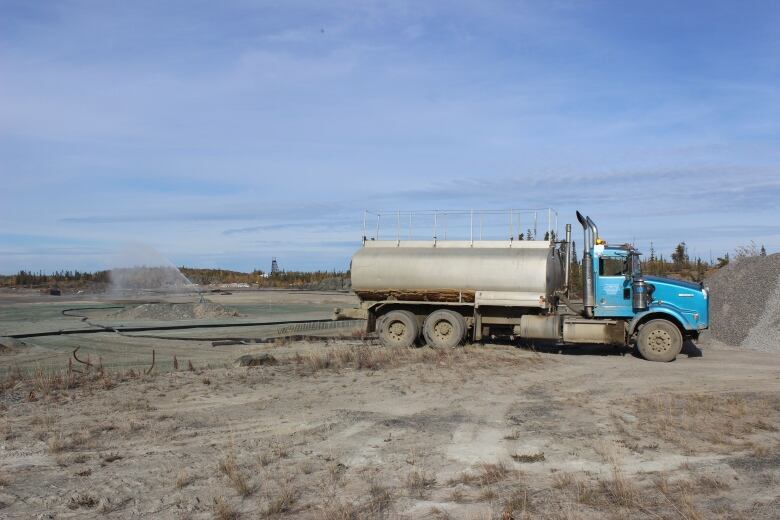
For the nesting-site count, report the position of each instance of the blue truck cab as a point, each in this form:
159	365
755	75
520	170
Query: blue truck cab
617	274
659	313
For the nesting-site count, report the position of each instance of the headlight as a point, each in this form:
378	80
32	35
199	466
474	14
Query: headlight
705	292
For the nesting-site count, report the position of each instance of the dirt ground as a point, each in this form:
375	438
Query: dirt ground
345	429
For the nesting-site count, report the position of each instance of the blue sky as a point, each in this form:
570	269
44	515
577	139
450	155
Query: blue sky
225	133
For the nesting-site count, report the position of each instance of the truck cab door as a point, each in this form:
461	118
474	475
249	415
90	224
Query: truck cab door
613	285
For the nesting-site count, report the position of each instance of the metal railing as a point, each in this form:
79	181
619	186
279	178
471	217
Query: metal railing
470	225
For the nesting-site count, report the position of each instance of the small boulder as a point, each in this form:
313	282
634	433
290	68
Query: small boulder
255	360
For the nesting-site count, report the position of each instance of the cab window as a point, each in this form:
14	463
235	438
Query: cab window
612	266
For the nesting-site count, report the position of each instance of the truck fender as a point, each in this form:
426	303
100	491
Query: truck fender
657	313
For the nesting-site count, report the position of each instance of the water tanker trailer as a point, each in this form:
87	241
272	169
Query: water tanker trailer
443	292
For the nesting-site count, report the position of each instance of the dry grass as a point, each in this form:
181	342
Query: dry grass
620	490
229	467
575	489
183	479
622	496
708	484
528	457
680	495
59	442
45	383
760	451
364	357
277	449
82	500
419	483
438	513
696	422
517	505
283	500
380	497
486	474
223	510
341	510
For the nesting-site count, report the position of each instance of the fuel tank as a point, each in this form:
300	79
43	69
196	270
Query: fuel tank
520	273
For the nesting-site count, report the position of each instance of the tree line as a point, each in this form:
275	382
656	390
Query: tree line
679	264
260	277
200	276
29	278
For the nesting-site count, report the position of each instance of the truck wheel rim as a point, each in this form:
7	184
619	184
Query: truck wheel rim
659	341
396	330
442	329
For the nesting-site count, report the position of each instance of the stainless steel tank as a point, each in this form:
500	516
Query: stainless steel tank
521	273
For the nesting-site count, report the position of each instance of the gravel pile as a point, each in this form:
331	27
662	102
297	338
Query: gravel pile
745	303
175	311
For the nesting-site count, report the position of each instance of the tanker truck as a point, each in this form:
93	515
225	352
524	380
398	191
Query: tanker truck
443	292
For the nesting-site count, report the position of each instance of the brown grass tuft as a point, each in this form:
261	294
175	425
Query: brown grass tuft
380	497
183	479
528	457
82	500
419	483
517	505
338	510
487	474
223	510
620	490
229	467
283	501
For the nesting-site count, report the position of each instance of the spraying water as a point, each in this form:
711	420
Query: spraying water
140	268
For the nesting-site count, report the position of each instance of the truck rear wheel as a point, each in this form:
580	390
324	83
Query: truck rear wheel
659	340
398	329
444	329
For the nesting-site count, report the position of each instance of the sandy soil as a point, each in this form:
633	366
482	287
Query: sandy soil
346	429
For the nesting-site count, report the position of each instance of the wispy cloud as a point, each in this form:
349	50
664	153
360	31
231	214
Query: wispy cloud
239	122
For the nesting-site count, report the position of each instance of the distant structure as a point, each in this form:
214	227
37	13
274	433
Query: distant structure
274	267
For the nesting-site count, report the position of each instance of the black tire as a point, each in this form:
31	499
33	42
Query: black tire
444	329
398	329
659	340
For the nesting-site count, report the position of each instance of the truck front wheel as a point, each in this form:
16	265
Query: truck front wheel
659	340
444	329
397	329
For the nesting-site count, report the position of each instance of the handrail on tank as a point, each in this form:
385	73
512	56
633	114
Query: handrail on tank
473	220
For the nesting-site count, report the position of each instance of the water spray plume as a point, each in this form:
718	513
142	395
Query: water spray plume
139	267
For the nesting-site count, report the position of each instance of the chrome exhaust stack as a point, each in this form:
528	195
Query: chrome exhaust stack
590	233
567	263
594	231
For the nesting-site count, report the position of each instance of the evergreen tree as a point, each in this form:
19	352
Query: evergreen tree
680	256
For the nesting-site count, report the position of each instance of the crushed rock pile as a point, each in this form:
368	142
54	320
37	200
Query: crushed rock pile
176	311
745	303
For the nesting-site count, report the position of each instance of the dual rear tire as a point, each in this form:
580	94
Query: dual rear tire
442	328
